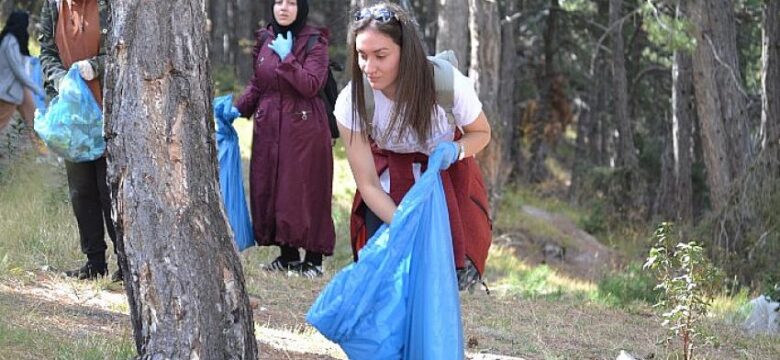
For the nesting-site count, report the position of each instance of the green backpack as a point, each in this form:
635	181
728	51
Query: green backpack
444	65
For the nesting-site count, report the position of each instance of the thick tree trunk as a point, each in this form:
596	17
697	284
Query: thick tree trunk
453	29
682	125
183	275
720	100
484	24
683	115
665	202
770	82
626	152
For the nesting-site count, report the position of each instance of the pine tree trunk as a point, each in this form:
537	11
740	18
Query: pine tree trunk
665	202
770	76
626	152
484	24
683	115
453	29
183	276
720	101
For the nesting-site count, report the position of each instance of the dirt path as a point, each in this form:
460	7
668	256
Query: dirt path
81	310
77	310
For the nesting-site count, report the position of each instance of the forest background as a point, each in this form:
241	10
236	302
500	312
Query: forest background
618	115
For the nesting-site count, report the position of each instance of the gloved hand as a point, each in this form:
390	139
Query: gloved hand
226	110
282	46
86	70
448	152
230	112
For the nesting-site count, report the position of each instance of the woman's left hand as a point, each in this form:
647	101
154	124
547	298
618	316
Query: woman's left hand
85	70
282	46
449	151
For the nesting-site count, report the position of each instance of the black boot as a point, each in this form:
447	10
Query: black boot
90	271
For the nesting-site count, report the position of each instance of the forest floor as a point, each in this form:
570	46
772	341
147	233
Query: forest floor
545	275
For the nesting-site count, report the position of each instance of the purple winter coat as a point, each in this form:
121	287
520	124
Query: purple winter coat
291	169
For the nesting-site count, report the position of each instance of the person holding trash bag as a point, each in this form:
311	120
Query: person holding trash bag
291	168
388	142
74	32
17	87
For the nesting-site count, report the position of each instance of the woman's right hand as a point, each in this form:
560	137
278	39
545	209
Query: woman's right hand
226	110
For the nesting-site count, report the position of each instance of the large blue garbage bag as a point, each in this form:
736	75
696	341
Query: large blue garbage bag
231	179
36	74
400	300
73	125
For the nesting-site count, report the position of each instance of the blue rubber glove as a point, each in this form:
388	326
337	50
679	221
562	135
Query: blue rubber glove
282	46
230	112
448	152
224	108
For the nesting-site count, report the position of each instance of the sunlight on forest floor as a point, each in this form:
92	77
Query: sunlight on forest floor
535	311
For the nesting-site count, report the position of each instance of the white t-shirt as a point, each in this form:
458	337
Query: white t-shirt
466	108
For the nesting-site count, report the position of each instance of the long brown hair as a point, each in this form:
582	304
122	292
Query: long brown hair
415	98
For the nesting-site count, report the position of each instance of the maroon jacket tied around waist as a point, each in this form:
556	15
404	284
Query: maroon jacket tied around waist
467	203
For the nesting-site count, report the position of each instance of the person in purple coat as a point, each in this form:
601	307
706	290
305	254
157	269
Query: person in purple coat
291	168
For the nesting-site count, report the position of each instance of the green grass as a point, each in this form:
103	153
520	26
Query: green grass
37	227
535	312
510	275
25	334
622	289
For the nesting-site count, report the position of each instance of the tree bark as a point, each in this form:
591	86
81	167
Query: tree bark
507	104
453	29
683	115
626	154
484	24
770	82
182	273
720	100
665	202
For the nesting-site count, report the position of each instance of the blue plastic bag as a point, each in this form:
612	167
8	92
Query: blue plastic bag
72	127
36	74
231	179
400	300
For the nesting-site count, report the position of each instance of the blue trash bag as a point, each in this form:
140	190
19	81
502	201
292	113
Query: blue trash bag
36	74
231	179
400	300
72	127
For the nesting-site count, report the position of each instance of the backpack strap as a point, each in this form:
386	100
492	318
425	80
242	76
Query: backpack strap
368	95
444	64
310	43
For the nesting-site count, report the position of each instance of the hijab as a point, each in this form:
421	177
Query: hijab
297	25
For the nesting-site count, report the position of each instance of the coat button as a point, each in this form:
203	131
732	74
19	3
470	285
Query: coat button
104	31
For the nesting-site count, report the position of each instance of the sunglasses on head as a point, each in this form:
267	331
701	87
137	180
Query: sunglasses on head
382	15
